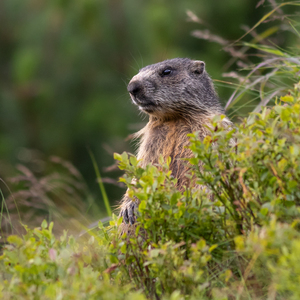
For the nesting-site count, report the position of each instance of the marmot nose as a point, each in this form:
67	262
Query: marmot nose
134	87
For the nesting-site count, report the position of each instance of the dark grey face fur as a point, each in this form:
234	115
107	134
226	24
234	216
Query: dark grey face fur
173	88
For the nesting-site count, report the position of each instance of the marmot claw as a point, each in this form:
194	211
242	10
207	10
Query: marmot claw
129	213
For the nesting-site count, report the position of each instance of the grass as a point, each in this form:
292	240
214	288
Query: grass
101	186
265	69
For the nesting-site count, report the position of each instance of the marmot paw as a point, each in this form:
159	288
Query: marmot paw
129	213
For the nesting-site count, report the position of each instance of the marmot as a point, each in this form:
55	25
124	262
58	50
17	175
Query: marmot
179	97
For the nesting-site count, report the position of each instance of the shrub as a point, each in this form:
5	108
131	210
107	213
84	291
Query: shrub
238	238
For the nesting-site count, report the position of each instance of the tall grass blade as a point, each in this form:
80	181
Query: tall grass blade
265	17
101	186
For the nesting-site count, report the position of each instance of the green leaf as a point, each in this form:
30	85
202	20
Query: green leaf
212	248
14	239
287	98
142	205
264	211
44	224
267	49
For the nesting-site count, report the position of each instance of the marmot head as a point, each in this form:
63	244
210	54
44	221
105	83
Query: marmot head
178	87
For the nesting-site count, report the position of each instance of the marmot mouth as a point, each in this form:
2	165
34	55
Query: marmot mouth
144	104
148	108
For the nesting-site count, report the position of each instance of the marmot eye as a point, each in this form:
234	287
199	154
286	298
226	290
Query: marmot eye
166	72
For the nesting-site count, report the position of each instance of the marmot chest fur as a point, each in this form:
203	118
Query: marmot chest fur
179	97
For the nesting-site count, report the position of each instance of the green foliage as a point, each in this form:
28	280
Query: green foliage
40	266
276	248
231	237
164	212
253	170
237	238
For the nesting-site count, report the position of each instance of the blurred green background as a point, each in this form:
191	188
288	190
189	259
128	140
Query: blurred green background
65	65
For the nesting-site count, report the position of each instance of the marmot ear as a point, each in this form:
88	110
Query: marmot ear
198	67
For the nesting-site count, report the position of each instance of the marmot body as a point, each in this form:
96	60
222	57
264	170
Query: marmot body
180	98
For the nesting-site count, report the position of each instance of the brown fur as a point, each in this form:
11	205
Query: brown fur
169	139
